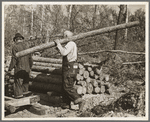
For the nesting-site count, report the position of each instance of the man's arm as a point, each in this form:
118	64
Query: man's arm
30	60
63	50
13	59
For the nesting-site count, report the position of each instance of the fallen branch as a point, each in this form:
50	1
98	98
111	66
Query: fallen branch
113	51
139	62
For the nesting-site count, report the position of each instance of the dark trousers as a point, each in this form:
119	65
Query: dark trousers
69	92
21	83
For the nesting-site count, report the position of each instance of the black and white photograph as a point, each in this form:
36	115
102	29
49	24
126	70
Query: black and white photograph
75	60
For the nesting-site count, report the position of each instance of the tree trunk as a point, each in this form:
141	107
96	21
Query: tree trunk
120	20
126	31
94	17
72	18
47	36
32	23
69	17
42	19
77	37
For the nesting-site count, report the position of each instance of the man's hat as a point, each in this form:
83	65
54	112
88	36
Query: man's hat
68	33
18	35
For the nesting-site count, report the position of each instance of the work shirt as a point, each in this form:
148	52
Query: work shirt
20	63
70	50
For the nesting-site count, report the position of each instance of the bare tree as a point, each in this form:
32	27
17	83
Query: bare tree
119	21
69	16
94	17
126	22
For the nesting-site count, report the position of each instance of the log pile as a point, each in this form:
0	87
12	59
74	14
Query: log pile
46	76
91	80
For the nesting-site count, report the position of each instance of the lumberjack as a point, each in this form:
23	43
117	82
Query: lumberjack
22	66
69	72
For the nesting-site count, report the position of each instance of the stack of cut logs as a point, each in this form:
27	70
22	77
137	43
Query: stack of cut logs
46	74
91	80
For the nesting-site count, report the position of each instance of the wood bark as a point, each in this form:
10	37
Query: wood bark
69	17
54	79
47	60
47	64
120	20
77	37
32	22
51	70
112	51
94	17
126	31
138	62
45	87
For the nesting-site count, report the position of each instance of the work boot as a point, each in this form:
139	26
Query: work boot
81	103
81	106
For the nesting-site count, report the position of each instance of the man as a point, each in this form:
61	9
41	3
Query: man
69	71
22	66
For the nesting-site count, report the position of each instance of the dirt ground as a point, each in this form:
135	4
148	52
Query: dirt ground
56	111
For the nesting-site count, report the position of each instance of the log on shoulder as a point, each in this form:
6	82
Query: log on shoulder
76	37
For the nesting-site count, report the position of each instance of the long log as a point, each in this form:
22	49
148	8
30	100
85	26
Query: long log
45	87
112	51
47	70
139	62
47	74
55	79
77	37
47	64
34	74
47	60
59	61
